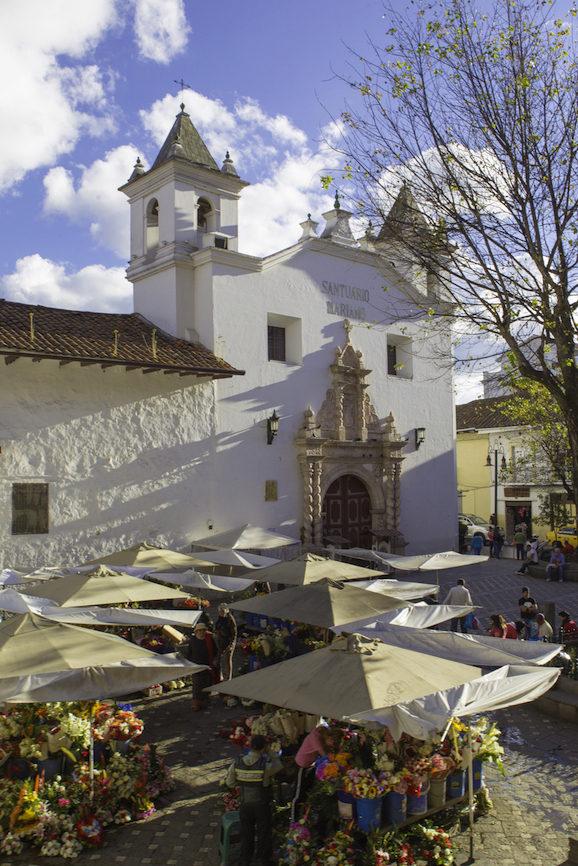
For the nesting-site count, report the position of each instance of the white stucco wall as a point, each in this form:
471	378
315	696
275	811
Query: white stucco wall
124	454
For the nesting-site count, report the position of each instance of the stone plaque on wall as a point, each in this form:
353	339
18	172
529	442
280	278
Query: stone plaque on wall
271	491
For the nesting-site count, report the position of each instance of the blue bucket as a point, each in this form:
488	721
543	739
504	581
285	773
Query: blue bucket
394	807
346	806
456	785
478	768
368	814
417	803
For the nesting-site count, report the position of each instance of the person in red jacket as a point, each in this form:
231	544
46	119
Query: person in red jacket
568	628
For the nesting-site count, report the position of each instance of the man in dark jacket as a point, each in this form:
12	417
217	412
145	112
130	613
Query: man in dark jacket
252	773
226	634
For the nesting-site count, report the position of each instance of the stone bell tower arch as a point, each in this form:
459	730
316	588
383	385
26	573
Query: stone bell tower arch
346	438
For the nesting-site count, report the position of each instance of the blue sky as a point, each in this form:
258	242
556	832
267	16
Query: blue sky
89	86
86	88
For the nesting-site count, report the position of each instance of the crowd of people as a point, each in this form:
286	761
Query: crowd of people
215	649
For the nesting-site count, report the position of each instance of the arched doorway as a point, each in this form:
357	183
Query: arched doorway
347	511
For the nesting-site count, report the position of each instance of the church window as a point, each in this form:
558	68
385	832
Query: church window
276	343
399	356
204	210
392	359
29	509
152	228
221	243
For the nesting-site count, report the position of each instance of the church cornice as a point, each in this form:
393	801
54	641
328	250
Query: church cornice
176	170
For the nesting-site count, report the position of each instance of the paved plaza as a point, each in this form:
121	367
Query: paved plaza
534	806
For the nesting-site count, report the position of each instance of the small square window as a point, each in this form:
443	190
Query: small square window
276	343
221	243
29	509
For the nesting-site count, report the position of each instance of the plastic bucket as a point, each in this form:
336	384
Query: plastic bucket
455	785
369	814
417	803
346	806
478	768
394	807
263	621
436	797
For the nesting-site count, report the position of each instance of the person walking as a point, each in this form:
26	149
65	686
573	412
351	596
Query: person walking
458	594
226	635
252	774
202	651
498	542
520	540
477	544
491	541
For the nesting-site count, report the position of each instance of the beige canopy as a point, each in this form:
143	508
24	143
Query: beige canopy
101	585
309	569
325	604
155	557
352	672
47	661
246	537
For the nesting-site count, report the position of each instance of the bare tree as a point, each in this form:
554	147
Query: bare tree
470	123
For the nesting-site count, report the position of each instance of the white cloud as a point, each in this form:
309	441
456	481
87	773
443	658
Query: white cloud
41	281
48	102
161	29
39	99
95	198
270	151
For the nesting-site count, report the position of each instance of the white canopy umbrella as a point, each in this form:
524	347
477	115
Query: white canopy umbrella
120	616
420	615
13	577
133	570
239	559
433	561
470	649
246	537
218	583
102	585
403	588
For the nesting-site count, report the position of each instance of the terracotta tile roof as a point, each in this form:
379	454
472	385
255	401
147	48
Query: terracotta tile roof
110	339
483	413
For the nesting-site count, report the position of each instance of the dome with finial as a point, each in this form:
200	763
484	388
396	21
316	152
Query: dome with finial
228	167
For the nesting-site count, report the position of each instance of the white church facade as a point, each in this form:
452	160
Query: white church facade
283	392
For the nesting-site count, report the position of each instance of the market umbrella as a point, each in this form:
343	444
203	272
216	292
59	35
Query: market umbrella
239	559
101	586
309	569
217	583
246	537
153	557
404	588
325	604
420	615
11	577
352	672
469	649
50	661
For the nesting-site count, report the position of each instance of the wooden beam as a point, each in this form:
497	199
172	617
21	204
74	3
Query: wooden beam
130	369
37	360
64	363
106	366
88	363
182	373
151	370
9	359
170	372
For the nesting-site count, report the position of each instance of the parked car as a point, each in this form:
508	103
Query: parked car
475	526
567	533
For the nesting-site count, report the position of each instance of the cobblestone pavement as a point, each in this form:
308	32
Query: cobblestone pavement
534	806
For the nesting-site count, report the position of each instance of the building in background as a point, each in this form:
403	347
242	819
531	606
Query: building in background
286	392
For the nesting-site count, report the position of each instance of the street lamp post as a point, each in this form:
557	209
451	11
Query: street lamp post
498	450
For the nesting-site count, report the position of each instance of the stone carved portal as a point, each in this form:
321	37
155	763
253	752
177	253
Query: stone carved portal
345	450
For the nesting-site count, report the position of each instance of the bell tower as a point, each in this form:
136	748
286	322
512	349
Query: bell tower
183	204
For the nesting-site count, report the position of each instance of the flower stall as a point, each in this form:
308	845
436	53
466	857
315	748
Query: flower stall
47	798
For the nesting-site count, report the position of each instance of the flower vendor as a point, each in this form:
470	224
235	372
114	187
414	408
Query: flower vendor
252	774
312	747
203	651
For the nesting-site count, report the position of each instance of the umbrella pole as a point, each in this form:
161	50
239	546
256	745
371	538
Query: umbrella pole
91	753
471	788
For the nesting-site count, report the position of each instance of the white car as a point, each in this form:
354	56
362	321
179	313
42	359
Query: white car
475	526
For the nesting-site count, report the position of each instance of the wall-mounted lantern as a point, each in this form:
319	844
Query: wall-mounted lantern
272	427
419	436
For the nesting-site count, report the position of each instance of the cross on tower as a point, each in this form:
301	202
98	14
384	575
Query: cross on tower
182	85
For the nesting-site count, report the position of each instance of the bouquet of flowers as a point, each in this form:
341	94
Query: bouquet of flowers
337	851
295	850
230	797
364	784
436	845
124	725
416	769
441	766
192	603
331	767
